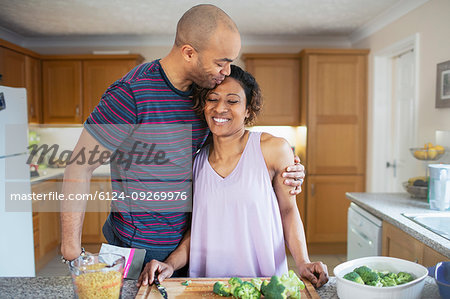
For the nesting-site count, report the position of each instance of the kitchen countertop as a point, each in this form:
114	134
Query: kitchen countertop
52	173
61	287
390	206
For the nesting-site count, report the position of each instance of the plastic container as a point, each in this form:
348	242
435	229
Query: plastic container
97	275
439	187
347	289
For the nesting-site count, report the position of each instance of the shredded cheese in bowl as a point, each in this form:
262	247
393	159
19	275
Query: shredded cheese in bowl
94	278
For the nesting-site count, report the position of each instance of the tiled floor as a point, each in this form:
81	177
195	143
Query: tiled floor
56	268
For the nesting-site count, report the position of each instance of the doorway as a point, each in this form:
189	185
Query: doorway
394	116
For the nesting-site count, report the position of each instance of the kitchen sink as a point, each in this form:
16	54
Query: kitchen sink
438	222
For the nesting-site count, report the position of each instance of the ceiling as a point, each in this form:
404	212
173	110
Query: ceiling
34	19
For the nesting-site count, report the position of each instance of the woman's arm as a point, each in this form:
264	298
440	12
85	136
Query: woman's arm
278	155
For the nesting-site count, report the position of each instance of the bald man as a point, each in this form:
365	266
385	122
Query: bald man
153	95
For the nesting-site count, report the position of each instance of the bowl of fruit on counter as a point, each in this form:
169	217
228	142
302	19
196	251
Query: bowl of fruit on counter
429	152
417	187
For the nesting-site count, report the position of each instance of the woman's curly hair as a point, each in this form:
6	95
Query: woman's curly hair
251	89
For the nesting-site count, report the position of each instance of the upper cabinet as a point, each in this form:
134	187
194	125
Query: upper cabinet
334	97
278	76
98	75
73	85
12	68
62	102
33	86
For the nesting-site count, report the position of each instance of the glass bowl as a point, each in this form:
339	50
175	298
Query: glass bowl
97	275
424	154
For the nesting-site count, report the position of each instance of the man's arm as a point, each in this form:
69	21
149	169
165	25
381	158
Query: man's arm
77	181
176	260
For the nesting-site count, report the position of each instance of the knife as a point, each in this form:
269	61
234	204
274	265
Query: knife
161	289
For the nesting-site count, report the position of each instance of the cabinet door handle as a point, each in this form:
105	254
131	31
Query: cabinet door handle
32	110
313	189
77	110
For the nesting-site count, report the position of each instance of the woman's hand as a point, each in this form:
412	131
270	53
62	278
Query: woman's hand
316	273
148	274
295	175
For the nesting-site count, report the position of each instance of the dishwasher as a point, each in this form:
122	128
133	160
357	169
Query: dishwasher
363	233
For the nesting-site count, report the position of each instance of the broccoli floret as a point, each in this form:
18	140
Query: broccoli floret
246	291
388	280
257	282
368	276
382	274
186	283
293	284
404	277
222	289
375	283
264	284
234	283
274	289
286	286
353	276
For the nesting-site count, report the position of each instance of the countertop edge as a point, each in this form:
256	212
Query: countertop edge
435	245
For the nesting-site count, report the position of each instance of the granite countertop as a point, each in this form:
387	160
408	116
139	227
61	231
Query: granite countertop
52	173
61	287
390	206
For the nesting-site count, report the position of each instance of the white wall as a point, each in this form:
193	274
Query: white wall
432	22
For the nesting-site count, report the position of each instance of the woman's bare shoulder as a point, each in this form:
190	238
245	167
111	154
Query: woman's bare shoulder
276	150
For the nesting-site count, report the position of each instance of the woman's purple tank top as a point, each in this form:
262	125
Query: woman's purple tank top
236	222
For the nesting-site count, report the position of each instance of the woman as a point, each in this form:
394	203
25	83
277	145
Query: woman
243	214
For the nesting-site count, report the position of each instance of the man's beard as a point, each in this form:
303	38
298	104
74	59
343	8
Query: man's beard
202	78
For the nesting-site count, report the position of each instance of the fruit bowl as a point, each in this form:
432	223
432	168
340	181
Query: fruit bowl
416	191
427	154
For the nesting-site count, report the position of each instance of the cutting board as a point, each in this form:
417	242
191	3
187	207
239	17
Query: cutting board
201	288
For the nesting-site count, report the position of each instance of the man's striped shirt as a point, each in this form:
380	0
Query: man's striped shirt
144	110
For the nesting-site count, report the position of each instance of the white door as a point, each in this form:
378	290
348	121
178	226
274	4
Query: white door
400	163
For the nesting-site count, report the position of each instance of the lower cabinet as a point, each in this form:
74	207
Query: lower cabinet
47	225
96	213
326	210
397	243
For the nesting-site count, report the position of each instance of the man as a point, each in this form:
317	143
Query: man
153	94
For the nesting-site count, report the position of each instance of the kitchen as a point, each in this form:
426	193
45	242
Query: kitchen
357	164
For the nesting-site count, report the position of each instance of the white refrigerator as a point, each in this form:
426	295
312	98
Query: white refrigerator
16	222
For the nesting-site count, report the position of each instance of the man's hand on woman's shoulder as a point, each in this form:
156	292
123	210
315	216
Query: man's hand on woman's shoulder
278	155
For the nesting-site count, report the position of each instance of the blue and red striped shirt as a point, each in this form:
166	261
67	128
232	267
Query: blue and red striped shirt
138	116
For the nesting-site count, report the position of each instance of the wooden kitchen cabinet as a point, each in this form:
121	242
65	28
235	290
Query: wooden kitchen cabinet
62	102
397	243
98	75
73	84
326	91
334	96
46	226
33	86
327	207
12	68
278	76
20	67
94	220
